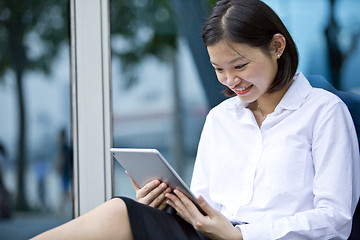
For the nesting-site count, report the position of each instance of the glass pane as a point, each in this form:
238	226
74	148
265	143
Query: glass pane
35	152
158	99
333	49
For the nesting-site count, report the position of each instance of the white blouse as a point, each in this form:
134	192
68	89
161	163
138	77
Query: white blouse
296	177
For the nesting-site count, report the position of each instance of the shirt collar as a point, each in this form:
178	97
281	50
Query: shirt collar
296	94
235	103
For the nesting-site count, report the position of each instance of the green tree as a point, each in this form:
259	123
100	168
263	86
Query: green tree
146	27
31	33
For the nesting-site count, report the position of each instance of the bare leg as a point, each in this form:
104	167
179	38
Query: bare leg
108	221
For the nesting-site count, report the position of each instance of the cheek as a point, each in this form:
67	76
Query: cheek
270	68
221	78
260	74
250	75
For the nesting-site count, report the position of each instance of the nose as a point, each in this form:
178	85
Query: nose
232	81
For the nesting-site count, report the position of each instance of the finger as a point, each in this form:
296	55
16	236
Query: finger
179	206
163	203
137	187
171	203
193	210
157	196
147	189
205	206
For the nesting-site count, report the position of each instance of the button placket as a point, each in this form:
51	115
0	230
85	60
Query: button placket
252	167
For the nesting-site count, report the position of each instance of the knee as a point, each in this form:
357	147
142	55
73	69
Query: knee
114	211
117	206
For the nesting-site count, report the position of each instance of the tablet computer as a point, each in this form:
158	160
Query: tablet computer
145	165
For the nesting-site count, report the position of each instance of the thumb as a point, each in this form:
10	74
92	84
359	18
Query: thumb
137	187
205	206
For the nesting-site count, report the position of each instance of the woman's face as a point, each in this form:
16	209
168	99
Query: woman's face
246	70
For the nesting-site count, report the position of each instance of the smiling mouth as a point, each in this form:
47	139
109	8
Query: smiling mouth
242	90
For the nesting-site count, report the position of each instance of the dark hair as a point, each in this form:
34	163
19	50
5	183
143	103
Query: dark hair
254	23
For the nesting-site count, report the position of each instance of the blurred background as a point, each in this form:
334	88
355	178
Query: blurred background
162	88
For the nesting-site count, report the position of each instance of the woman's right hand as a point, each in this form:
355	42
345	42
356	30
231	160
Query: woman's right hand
152	194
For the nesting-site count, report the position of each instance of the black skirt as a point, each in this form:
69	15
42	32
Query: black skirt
148	223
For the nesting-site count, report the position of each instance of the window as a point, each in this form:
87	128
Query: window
158	98
35	151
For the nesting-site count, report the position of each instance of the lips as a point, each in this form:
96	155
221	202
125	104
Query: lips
242	90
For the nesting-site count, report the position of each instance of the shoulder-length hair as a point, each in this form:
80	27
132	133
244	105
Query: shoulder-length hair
254	23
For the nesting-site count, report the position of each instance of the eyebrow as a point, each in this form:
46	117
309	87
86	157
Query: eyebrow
232	61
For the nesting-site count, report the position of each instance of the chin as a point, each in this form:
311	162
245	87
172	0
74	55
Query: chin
247	99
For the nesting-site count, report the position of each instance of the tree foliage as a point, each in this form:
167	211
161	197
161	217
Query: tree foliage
145	28
212	3
31	33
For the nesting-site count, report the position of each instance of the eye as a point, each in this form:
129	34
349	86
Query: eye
218	69
241	66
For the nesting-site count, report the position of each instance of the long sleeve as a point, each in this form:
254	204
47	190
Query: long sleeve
200	178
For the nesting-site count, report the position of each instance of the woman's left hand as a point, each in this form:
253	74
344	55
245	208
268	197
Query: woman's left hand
214	225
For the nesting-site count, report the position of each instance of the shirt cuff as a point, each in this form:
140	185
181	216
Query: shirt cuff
255	231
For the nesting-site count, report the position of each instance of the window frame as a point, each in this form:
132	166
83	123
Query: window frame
91	103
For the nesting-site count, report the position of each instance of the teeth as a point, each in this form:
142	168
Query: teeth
242	89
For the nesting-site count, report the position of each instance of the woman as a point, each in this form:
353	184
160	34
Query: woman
279	160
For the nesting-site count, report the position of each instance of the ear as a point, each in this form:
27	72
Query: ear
278	44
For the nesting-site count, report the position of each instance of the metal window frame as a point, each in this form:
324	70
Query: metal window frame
91	103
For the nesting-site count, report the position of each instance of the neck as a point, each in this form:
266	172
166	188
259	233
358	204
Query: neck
268	101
